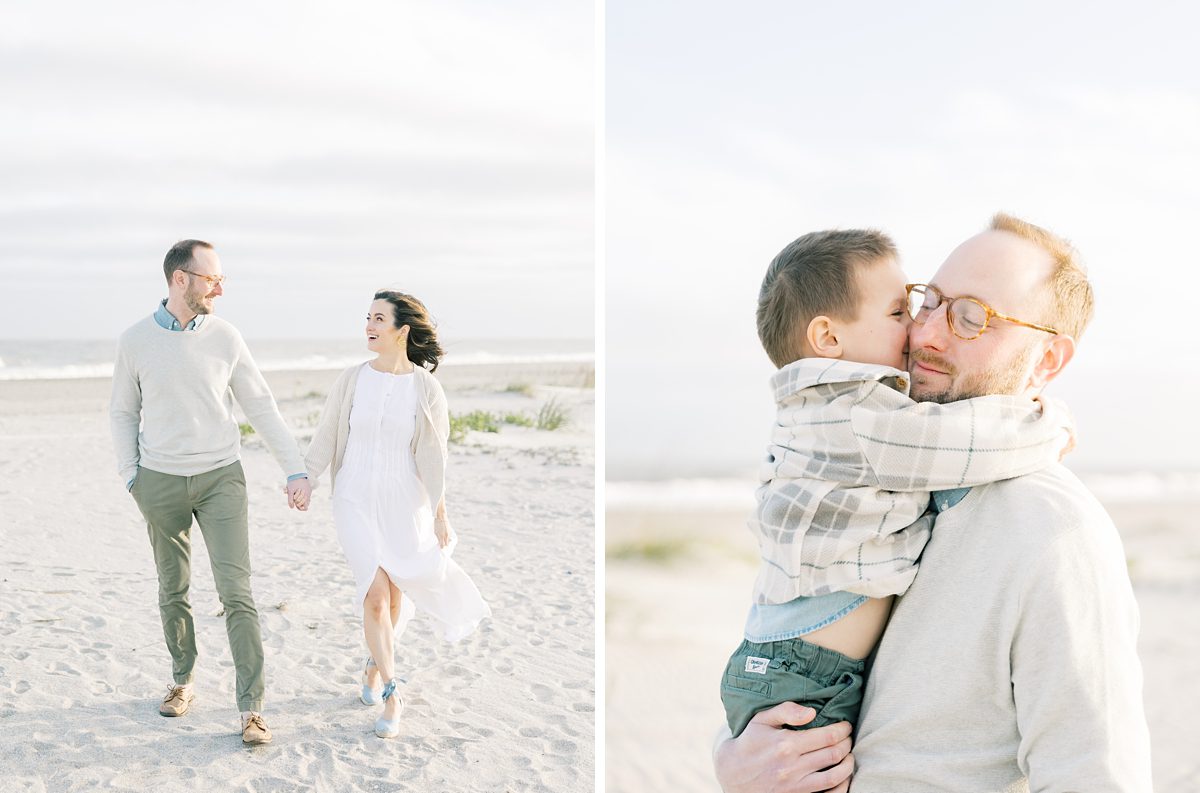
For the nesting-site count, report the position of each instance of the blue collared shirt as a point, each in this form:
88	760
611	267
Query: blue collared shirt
167	320
773	623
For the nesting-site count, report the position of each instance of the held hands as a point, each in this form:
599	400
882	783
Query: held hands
299	492
441	528
766	758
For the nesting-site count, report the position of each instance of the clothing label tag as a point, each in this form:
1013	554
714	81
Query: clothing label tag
757	665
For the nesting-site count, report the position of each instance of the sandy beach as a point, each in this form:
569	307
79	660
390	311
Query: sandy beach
678	585
83	665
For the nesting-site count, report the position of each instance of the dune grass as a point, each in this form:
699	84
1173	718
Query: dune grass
476	420
525	389
657	551
551	416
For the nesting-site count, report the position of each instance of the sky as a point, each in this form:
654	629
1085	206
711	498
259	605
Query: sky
730	132
326	149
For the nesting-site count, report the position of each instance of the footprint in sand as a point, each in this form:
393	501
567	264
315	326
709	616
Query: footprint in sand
563	747
22	686
457	670
453	742
542	693
530	732
583	707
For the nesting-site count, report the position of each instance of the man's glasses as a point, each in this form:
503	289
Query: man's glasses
967	317
213	280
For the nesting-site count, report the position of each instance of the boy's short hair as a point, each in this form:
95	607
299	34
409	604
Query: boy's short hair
814	276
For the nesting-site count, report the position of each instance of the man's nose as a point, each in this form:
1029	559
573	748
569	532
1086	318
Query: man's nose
218	289
933	333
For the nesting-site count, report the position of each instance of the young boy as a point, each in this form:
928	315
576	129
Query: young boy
842	512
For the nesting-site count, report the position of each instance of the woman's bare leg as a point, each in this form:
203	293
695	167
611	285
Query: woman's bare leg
374	677
377	629
396	594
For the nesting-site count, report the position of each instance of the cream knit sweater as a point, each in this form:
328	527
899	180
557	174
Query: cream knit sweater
172	401
1011	663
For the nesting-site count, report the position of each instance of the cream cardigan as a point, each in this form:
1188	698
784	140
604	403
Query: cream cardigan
430	434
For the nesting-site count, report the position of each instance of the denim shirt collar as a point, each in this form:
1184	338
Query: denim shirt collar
945	499
167	320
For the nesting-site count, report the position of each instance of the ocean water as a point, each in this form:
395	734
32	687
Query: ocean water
59	359
735	495
709	420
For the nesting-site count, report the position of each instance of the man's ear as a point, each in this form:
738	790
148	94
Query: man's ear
1055	355
821	337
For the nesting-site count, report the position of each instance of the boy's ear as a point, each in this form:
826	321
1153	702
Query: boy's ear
821	337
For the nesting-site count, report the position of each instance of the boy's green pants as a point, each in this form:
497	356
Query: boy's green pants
761	675
218	501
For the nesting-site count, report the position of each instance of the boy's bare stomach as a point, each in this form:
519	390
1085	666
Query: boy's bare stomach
856	634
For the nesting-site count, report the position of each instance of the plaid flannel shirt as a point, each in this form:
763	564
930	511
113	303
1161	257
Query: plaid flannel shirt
852	461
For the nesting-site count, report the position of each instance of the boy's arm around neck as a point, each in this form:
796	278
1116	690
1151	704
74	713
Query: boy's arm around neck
913	446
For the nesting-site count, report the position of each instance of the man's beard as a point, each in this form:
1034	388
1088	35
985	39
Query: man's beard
195	302
1004	377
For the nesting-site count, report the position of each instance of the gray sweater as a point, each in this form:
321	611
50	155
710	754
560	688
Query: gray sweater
1011	663
172	401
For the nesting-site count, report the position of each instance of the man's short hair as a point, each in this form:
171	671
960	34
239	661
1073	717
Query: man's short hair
1071	302
180	256
814	276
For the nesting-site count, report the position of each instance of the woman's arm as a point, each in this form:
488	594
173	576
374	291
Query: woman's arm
440	416
324	441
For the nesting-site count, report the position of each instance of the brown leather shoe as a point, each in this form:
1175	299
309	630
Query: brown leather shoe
177	701
255	730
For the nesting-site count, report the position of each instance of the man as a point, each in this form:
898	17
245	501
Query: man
176	375
1011	662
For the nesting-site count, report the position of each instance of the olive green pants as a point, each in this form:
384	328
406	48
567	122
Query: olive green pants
763	675
217	499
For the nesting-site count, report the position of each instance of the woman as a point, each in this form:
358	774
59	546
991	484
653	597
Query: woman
384	431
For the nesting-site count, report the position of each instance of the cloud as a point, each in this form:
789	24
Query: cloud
305	139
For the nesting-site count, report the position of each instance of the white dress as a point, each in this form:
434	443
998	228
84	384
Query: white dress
383	515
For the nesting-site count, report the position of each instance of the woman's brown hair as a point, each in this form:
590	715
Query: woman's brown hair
423	347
